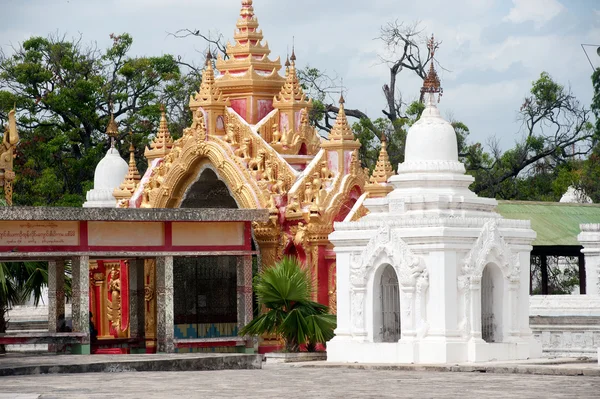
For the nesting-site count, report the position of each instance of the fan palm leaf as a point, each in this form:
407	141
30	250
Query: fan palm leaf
284	290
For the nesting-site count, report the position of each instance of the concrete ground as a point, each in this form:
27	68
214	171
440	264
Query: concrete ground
297	381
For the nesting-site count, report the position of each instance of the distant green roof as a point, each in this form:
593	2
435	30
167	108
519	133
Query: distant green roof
555	223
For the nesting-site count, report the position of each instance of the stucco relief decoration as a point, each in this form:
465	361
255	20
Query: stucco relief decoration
409	267
490	247
358	309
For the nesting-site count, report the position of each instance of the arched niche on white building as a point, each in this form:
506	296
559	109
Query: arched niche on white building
386	305
492	272
387	249
492	307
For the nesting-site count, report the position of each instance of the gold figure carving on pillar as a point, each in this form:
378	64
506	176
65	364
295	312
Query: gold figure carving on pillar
114	305
7	155
150	301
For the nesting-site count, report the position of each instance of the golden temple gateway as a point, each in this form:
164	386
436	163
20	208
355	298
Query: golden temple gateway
251	146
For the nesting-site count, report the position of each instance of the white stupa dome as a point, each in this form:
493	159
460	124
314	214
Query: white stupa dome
109	174
576	196
431	138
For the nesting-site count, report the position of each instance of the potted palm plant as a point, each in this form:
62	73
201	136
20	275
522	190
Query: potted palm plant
284	292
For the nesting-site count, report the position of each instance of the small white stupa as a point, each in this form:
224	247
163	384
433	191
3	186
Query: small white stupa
109	174
575	196
432	274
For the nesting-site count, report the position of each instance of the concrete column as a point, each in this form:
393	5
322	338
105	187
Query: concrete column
56	297
442	311
244	289
475	310
343	294
165	325
590	240
137	305
81	301
512	313
56	294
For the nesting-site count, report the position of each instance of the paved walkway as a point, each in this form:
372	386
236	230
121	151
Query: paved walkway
285	381
16	364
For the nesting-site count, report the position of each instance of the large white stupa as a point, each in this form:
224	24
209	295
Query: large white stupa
109	174
432	274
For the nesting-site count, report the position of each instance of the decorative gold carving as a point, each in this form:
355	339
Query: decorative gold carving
209	95
150	300
378	185
332	289
341	130
132	179
300	235
7	155
163	142
113	309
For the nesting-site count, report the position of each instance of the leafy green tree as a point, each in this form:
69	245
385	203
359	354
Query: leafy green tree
557	129
64	92
285	291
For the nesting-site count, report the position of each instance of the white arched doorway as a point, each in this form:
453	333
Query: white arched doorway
492	288
387	301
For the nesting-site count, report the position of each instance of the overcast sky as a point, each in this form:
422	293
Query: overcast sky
492	49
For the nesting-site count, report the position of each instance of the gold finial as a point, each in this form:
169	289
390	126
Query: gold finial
342	101
131	147
112	129
247	9
293	57
208	58
431	84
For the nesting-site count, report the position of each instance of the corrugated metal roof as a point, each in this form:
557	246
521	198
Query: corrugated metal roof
555	223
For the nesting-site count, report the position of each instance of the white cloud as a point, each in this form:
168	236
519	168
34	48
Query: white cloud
537	11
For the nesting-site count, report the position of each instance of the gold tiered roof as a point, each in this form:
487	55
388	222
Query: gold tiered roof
132	179
163	142
248	63
377	186
209	94
291	92
248	51
341	129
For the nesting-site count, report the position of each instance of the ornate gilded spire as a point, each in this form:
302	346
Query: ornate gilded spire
209	93
431	84
383	170
163	142
341	129
248	76
291	92
248	51
378	185
132	179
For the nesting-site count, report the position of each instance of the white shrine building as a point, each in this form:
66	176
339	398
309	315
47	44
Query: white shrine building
432	274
